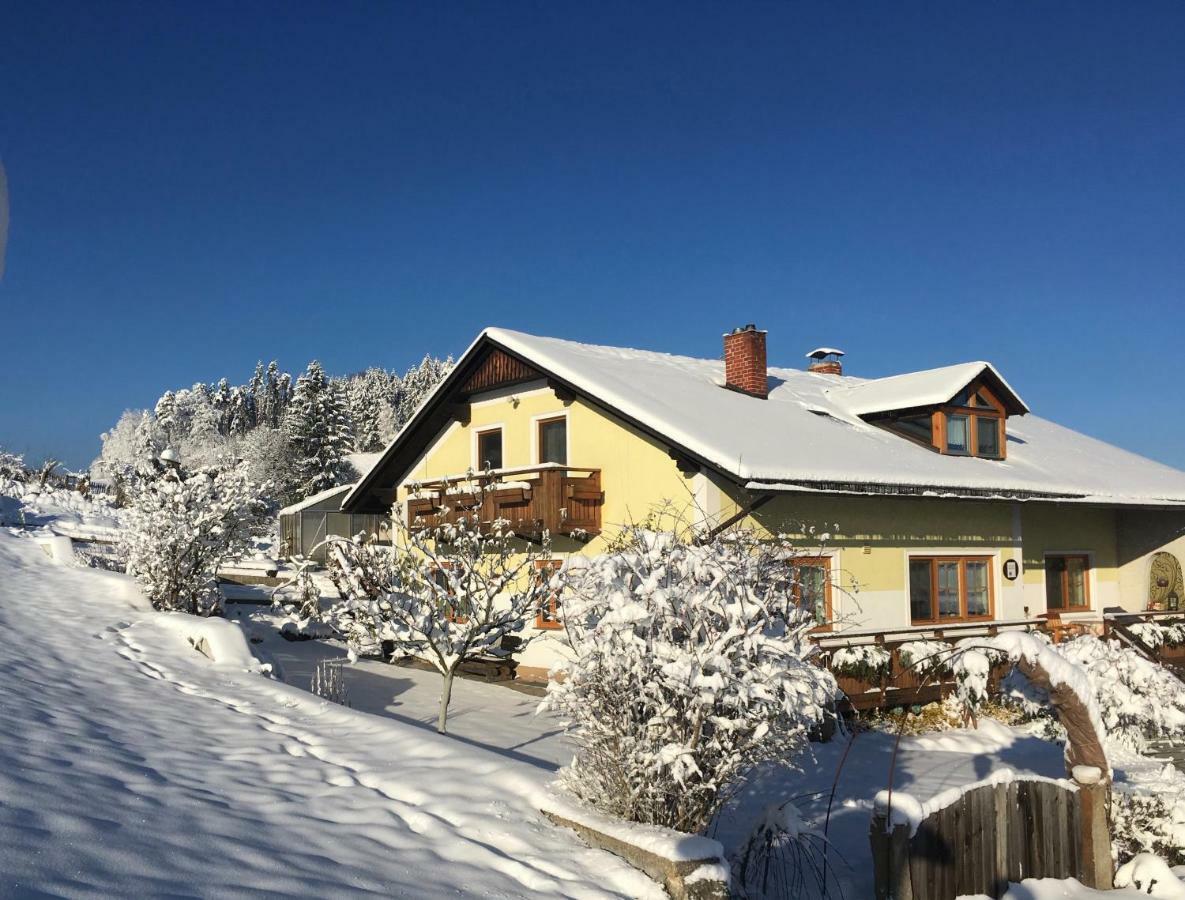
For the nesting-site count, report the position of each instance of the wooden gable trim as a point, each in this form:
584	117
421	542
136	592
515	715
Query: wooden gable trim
498	368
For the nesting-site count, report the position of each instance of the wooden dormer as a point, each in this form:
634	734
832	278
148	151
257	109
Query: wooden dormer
972	423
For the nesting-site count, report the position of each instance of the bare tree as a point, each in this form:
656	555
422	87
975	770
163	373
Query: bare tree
448	594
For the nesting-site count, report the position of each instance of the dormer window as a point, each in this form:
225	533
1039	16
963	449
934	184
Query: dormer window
971	424
958	410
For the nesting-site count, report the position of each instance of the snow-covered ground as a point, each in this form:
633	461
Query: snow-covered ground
501	719
131	765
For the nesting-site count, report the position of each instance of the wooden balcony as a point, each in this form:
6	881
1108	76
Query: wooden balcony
552	498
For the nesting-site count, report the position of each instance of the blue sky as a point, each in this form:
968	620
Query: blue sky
198	186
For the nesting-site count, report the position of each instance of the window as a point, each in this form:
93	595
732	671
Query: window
1067	585
548	614
811	587
489	449
920	427
553	441
949	588
448	598
987	437
956	433
975	427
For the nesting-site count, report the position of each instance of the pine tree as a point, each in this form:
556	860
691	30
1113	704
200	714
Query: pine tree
318	432
166	416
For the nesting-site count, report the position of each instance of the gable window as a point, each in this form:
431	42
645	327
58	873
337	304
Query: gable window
949	588
548	614
1067	582
553	440
489	449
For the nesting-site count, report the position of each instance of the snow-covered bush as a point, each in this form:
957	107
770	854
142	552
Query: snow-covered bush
300	598
785	857
181	528
1137	699
1148	823
864	662
1066	683
1166	633
449	594
690	663
1149	875
929	659
329	683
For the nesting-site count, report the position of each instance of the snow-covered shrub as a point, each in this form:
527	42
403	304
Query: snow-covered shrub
181	528
12	467
1149	875
1137	699
1166	633
929	659
329	683
449	594
1148	823
1067	684
690	663
784	857
864	662
300	598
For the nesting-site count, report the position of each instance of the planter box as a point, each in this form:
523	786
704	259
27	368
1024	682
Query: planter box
689	866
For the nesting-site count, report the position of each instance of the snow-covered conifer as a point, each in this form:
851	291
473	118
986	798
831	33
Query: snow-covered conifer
318	432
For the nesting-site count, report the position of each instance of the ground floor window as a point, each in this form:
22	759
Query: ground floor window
811	587
548	614
1067	586
950	588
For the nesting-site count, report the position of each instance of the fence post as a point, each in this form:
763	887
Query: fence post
1096	834
890	858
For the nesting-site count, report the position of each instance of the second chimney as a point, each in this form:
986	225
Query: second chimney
744	361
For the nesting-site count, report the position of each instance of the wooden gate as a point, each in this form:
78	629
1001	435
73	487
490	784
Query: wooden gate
987	836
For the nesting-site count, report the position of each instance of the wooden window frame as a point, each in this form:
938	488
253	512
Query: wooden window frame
451	613
551	603
478	461
548	420
823	562
1088	567
962	559
993	412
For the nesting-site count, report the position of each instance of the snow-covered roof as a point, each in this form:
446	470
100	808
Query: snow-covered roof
808	431
363	462
930	387
315	499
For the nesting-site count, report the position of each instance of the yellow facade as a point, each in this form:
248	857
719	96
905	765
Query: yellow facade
868	539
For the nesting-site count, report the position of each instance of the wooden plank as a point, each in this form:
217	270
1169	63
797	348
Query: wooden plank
1002	818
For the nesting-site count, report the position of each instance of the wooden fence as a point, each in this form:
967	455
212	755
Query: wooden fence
988	836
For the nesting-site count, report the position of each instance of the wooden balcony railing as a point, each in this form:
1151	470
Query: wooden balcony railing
563	500
900	685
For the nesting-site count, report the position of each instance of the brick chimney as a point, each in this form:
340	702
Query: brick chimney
744	361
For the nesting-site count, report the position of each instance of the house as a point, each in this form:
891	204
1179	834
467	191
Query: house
946	503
